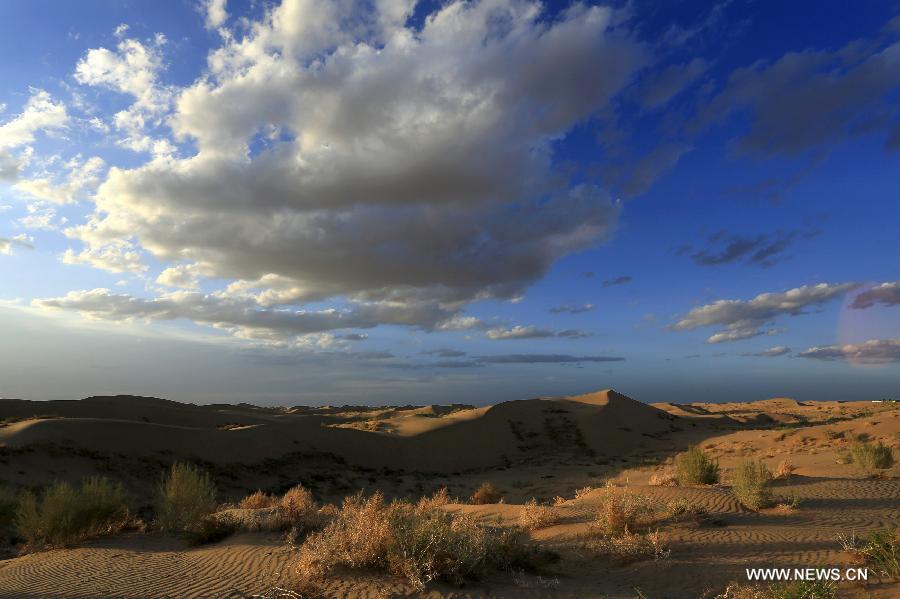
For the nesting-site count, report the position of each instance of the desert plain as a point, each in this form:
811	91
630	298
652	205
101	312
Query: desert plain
564	457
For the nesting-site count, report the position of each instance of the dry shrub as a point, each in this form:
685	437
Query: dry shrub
298	505
257	500
535	515
784	470
872	456
880	550
664	479
559	500
212	529
438	499
65	514
692	467
620	513
630	547
751	484
417	542
583	492
185	496
486	493
685	509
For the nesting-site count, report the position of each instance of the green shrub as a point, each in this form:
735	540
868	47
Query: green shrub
185	496
66	515
751	484
873	456
692	467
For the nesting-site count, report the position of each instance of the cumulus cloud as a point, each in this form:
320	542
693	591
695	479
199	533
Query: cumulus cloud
81	177
214	12
344	156
887	294
519	332
41	113
745	319
873	351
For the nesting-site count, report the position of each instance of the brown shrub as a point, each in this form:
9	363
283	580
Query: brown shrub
257	501
784	470
621	512
664	479
535	515
486	493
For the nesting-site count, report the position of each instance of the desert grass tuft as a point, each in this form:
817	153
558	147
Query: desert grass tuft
872	456
880	550
621	512
486	493
186	495
750	484
64	514
664	479
693	467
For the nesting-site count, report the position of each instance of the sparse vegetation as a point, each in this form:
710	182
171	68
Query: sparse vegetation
212	528
784	470
186	496
299	507
685	509
880	550
693	467
420	543
486	493
257	500
536	515
632	547
664	479
798	589
64	514
750	484
872	456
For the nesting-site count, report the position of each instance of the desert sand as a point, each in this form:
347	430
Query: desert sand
542	448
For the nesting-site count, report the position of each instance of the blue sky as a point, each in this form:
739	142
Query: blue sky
391	201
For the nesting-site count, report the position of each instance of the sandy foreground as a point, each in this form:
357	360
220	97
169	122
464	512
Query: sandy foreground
539	448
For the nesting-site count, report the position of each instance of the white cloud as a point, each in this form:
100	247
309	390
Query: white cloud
41	113
744	319
772	352
873	351
8	243
184	276
343	156
887	294
82	177
214	13
116	256
518	332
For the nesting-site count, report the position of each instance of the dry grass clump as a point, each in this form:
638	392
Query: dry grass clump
620	513
664	479
631	547
257	501
872	456
798	589
880	550
583	492
784	471
65	514
750	484
536	515
692	467
298	505
684	509
420	543
186	495
486	493
438	499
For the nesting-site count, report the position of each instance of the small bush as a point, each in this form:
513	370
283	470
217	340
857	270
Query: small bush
298	504
419	543
535	515
212	529
439	499
629	548
692	467
872	456
486	493
880	551
664	479
789	503
621	512
185	496
784	470
751	484
256	501
583	492
65	515
685	509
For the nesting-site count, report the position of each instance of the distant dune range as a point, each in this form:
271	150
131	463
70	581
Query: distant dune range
605	423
